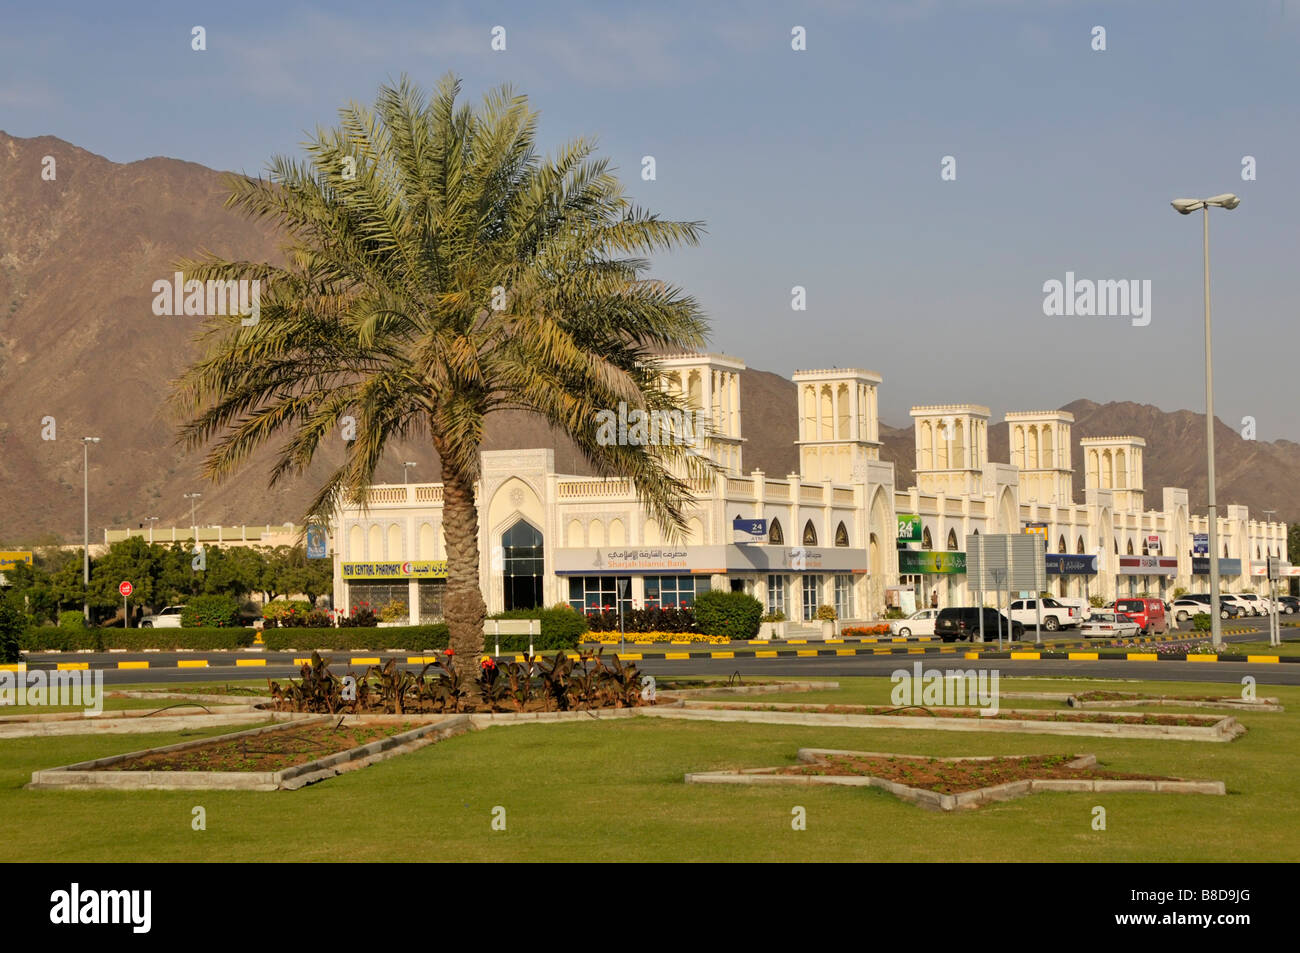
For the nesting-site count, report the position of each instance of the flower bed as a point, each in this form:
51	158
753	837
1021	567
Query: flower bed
860	631
649	638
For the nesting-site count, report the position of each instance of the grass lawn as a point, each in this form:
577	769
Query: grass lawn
613	790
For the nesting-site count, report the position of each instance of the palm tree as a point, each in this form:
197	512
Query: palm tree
439	271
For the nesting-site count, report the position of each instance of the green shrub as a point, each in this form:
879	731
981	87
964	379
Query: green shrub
733	614
13	624
1096	601
72	619
413	638
210	612
52	639
894	613
561	628
394	612
1201	622
277	610
363	618
825	613
777	616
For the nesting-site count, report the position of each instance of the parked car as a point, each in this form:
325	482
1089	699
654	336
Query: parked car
1149	614
1109	625
1288	605
1227	608
1237	599
1182	610
169	618
1254	603
918	623
1056	615
963	622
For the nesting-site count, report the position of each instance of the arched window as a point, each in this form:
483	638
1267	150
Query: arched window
1116	545
774	534
926	541
952	540
1060	544
522	565
1130	547
1079	547
809	534
841	535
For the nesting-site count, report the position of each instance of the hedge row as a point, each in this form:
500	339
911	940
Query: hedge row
415	638
51	638
561	626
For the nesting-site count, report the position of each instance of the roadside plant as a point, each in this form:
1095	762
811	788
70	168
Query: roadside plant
438	271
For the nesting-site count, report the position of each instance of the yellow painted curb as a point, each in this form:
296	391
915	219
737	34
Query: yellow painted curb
901	638
14	667
1028	655
797	642
946	650
846	651
73	666
971	655
302	661
681	654
1263	658
834	641
427	659
1083	656
762	654
804	653
192	663
722	654
132	664
365	660
1202	658
246	662
1141	656
629	657
915	651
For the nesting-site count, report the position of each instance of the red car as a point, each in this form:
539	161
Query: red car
1148	614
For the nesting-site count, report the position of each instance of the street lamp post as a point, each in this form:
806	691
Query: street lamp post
85	524
408	463
152	521
1186	207
194	525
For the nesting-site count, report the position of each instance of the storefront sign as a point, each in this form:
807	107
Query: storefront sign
317	542
748	531
1148	566
1066	564
668	560
909	528
1153	545
1227	567
1200	544
930	562
426	569
11	559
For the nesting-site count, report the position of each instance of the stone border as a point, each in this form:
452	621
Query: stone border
91	776
934	801
1225	729
766	688
1263	704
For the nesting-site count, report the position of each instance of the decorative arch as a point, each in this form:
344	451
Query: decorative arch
926	541
809	534
1060	545
1130	547
775	535
841	535
952	540
1079	546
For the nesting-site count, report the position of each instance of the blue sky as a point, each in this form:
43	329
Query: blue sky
818	168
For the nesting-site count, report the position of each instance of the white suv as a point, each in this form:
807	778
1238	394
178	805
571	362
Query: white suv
1242	601
169	618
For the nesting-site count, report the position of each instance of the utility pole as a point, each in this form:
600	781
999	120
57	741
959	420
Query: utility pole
85	525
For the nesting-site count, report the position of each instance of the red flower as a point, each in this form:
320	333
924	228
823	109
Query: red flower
487	663
448	652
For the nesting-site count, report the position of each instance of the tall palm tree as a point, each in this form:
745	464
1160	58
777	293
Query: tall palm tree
438	271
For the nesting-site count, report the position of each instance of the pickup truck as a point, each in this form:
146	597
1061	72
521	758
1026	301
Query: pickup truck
1055	615
169	618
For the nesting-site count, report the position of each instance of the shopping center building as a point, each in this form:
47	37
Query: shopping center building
838	532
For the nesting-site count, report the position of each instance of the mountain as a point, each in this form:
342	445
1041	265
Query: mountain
79	343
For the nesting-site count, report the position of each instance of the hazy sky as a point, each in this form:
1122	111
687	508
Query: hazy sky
819	167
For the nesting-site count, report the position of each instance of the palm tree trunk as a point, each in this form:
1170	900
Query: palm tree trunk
463	604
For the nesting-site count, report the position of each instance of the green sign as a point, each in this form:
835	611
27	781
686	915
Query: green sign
909	528
930	563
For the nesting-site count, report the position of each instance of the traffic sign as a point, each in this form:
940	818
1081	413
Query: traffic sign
126	588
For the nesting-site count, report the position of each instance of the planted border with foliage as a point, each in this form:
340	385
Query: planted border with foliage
415	638
735	615
57	639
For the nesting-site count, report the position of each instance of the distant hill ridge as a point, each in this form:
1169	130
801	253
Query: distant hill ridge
79	343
